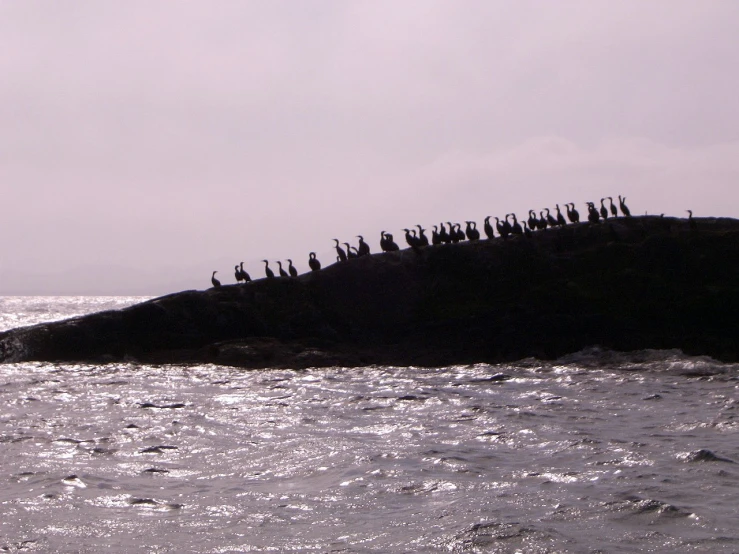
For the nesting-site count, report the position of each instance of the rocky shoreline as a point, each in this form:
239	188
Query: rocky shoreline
625	284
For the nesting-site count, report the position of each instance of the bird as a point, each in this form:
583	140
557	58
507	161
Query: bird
270	274
364	248
503	231
237	273
515	226
471	231
614	211
443	235
214	281
349	254
244	275
573	214
489	233
526	231
291	268
391	244
691	221
435	240
283	273
313	262
551	221
560	218
593	216
542	221
622	205
533	220
340	251
603	210
411	239
384	244
459	233
423	240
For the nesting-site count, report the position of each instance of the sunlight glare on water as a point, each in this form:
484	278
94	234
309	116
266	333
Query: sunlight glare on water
599	451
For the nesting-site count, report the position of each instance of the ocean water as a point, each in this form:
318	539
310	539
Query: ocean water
596	452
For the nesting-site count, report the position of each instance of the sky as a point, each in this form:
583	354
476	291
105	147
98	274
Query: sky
146	143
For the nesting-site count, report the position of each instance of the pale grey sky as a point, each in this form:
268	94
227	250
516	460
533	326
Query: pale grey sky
144	144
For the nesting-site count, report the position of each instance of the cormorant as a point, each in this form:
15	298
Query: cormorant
526	231
244	275
542	221
443	236
391	245
593	216
340	251
423	240
560	218
270	274
237	273
384	244
503	231
412	240
622	205
364	248
614	211
214	281
459	233
691	221
488	228
551	221
349	254
533	221
435	240
313	262
516	226
603	210
573	214
291	268
471	231
283	273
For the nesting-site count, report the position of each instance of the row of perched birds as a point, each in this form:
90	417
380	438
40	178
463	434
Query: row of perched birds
454	234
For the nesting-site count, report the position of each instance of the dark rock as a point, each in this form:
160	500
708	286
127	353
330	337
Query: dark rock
658	286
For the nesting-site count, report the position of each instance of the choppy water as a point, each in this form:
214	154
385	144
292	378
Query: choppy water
599	452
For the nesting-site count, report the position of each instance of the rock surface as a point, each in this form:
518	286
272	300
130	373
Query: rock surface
626	284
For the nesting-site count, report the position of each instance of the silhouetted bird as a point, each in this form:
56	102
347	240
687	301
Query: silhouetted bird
551	221
691	222
593	216
622	205
443	235
270	274
237	273
392	246
542	221
573	214
384	243
471	231
283	273
423	240
614	211
340	251
560	218
533	220
313	262
489	233
603	210
215	282
503	230
526	231
244	275
411	238
349	254
435	240
291	268
515	226
364	248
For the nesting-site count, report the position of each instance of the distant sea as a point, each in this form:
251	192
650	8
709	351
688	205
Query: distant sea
597	452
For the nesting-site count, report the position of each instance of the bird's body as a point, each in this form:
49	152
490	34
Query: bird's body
349	254
593	216
622	205
283	273
313	262
423	240
551	221
471	231
526	231
603	210
560	218
515	226
573	214
364	248
614	211
340	251
237	273
215	282
291	269
489	233
267	271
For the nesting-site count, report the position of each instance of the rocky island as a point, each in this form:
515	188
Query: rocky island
624	284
